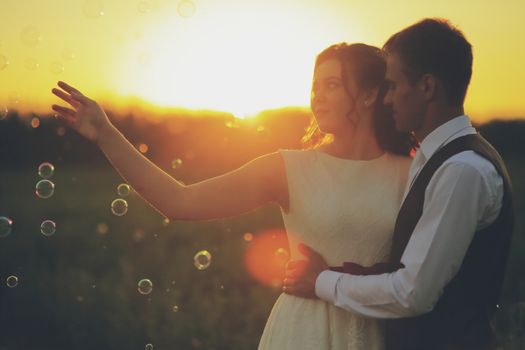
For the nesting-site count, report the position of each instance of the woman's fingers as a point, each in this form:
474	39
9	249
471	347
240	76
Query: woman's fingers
74	94
79	98
64	112
68	98
68	88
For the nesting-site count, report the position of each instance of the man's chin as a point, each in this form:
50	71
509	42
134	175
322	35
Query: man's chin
397	124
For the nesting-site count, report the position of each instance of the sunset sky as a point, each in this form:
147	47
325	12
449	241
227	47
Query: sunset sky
238	56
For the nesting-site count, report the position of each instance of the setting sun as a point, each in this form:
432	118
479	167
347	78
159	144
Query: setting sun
233	56
225	59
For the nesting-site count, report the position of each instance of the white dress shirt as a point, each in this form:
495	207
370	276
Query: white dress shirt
464	195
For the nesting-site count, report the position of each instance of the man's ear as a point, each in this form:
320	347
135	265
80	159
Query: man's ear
428	86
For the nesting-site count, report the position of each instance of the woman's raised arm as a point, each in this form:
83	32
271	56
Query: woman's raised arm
260	181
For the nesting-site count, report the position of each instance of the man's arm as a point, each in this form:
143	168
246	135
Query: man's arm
457	198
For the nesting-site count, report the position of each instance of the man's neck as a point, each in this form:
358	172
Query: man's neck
436	117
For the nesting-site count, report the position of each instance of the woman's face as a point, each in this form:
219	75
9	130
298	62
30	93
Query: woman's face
329	99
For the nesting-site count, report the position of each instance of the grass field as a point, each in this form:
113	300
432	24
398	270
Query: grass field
78	288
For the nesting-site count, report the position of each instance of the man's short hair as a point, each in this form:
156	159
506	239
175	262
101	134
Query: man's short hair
435	46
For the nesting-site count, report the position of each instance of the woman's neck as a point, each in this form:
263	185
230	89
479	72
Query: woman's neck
359	146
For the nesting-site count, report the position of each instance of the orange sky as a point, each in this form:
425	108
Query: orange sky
238	56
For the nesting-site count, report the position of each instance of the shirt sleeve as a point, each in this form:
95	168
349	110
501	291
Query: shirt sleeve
457	198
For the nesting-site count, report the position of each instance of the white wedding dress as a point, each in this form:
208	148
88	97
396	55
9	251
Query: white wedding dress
346	211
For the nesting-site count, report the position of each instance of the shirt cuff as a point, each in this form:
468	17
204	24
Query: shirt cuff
325	285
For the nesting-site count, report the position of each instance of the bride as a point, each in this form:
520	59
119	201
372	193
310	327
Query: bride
340	197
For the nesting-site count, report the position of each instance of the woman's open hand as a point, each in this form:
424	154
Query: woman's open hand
85	116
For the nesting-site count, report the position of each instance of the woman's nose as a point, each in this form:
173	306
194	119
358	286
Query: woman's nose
388	98
317	96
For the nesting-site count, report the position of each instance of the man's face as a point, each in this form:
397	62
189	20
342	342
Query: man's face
406	100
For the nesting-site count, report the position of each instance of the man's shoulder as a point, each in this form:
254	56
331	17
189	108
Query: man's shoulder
473	160
470	168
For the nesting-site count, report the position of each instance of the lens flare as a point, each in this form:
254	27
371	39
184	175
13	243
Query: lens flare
266	256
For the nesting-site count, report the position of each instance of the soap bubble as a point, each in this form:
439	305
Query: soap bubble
35	122
31	36
102	228
32	64
4	62
48	228
56	67
14	97
3	112
145	58
149	347
68	54
123	190
144	7
45	189
176	163
282	254
186	8
119	207
61	131
233	124
46	170
138	234
6	226
145	286
202	260
12	281
93	9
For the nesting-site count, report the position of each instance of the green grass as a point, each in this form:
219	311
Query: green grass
78	288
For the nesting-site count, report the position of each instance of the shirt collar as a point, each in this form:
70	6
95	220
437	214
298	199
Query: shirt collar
444	133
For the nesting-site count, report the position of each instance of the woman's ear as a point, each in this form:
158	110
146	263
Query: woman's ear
371	97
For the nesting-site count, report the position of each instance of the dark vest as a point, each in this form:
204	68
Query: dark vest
461	317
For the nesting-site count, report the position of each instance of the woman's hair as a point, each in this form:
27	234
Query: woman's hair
367	66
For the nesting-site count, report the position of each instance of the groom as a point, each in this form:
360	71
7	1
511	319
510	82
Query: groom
452	235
